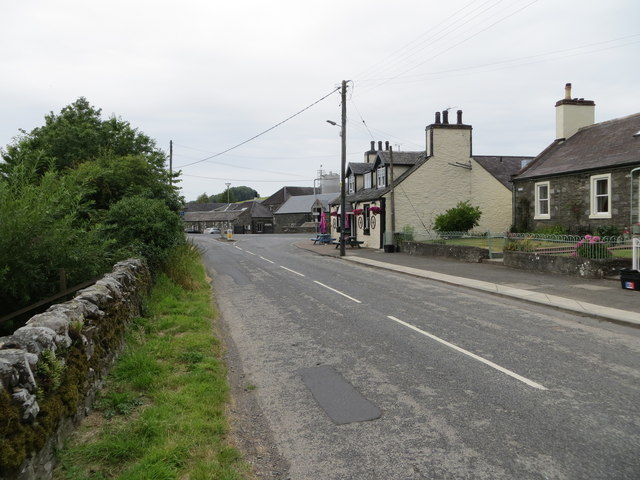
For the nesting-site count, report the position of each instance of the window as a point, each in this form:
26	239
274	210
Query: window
542	201
600	196
367	180
352	184
382	176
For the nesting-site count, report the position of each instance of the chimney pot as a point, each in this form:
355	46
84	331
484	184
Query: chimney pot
386	145
445	117
567	91
438	118
379	145
459	112
373	146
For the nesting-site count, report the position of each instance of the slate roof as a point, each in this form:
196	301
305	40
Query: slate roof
303	203
213	216
614	143
400	158
284	193
202	207
359	168
503	168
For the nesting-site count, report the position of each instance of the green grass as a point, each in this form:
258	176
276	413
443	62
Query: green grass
161	414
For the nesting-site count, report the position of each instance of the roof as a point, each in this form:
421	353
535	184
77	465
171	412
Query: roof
304	203
358	168
202	207
502	168
602	145
400	158
284	193
213	216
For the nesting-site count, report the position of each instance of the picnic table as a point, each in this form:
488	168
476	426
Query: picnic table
352	241
322	239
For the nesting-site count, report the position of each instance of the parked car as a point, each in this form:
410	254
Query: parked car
191	230
212	230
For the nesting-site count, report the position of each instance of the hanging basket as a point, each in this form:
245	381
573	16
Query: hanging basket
358	211
375	210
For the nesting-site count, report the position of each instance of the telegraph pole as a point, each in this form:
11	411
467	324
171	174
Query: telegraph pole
343	162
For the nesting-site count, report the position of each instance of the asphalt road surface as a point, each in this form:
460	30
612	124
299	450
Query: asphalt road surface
346	372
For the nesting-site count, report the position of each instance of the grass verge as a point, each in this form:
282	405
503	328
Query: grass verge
161	414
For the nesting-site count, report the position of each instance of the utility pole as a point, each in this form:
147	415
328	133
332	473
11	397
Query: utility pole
170	162
343	162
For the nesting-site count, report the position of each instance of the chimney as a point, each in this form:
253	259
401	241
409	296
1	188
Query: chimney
373	146
459	112
386	145
445	117
572	114
437	118
379	145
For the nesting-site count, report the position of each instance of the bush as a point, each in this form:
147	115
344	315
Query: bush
608	231
592	247
462	218
144	226
552	230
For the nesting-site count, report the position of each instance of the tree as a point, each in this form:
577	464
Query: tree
76	135
203	198
234	194
462	218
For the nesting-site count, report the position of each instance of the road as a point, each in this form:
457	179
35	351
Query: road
468	385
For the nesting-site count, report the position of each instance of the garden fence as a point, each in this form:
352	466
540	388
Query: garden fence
542	244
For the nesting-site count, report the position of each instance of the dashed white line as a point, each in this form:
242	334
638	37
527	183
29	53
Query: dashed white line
292	271
266	259
531	383
337	291
237	247
250	253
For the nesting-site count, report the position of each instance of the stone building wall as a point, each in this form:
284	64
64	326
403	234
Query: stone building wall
51	368
569	202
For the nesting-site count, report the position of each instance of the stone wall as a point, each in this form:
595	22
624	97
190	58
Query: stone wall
51	368
577	266
465	254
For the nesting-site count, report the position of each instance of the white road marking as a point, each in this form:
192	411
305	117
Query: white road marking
337	291
266	259
292	271
237	247
472	355
250	253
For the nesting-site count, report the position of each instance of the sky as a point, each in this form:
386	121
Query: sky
243	88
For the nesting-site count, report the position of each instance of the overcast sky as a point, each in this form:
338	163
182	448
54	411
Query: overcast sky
210	75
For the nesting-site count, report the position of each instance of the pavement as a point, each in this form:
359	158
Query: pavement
600	298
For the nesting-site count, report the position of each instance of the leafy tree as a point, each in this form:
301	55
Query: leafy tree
75	135
202	198
462	218
110	178
235	194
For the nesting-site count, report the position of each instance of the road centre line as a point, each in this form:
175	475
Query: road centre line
531	383
237	247
250	253
292	271
337	291
266	259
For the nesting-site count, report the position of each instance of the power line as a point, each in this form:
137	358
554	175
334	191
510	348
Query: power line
262	133
247	180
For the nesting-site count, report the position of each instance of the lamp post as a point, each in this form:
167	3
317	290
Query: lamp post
343	162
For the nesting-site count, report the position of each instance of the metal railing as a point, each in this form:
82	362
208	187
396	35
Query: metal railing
587	246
